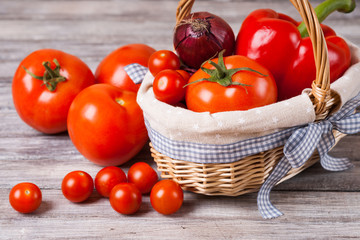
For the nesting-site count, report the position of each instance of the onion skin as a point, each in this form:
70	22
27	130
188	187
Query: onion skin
201	36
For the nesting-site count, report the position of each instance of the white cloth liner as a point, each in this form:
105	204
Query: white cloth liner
181	124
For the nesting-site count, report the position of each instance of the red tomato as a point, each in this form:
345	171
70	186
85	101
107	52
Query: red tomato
162	60
168	86
166	196
107	178
77	186
213	97
25	197
107	125
143	176
45	107
184	74
125	198
111	68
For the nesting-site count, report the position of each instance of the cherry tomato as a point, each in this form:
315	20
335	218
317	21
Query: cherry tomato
77	186
168	86
184	74
166	196
107	178
107	125
162	60
143	176
25	197
111	68
125	198
208	96
44	104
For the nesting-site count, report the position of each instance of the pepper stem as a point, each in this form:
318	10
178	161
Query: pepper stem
51	77
325	8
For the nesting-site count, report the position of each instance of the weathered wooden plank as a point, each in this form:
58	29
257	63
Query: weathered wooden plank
308	214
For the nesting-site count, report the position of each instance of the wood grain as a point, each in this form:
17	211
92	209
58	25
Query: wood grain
317	204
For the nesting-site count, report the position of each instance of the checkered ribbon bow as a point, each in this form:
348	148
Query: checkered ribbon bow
301	145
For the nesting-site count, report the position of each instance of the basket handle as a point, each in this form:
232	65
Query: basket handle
321	93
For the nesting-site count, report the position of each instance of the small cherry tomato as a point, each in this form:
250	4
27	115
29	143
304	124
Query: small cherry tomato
184	74
25	197
125	198
162	60
143	176
107	178
166	196
168	86
77	186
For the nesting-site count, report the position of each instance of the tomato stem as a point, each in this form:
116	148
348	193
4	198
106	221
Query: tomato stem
51	77
325	8
222	75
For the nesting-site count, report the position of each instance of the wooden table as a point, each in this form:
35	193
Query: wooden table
316	203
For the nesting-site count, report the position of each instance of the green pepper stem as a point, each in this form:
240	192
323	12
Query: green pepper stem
325	8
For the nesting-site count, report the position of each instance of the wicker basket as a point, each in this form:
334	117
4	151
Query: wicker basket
248	174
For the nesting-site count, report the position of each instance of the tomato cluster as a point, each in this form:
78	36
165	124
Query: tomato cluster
170	80
54	91
222	84
124	192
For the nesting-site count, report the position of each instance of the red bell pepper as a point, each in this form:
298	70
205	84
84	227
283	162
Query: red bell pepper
279	43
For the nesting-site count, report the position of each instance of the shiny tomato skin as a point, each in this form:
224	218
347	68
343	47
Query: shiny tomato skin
125	198
162	60
111	68
184	74
168	86
25	197
106	125
143	176
212	97
166	197
77	186
40	108
107	178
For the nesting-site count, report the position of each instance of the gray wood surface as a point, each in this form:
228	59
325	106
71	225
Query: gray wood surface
317	204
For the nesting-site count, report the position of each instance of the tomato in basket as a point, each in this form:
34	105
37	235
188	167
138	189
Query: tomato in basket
228	84
168	86
162	60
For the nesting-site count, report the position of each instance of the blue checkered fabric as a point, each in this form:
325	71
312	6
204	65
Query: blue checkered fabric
302	144
136	72
214	153
299	144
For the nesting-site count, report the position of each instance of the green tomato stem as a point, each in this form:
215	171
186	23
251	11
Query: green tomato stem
51	77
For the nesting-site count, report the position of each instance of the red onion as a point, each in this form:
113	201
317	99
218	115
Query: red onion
201	36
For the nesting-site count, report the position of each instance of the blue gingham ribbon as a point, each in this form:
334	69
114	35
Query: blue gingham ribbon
302	144
215	153
136	72
299	144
